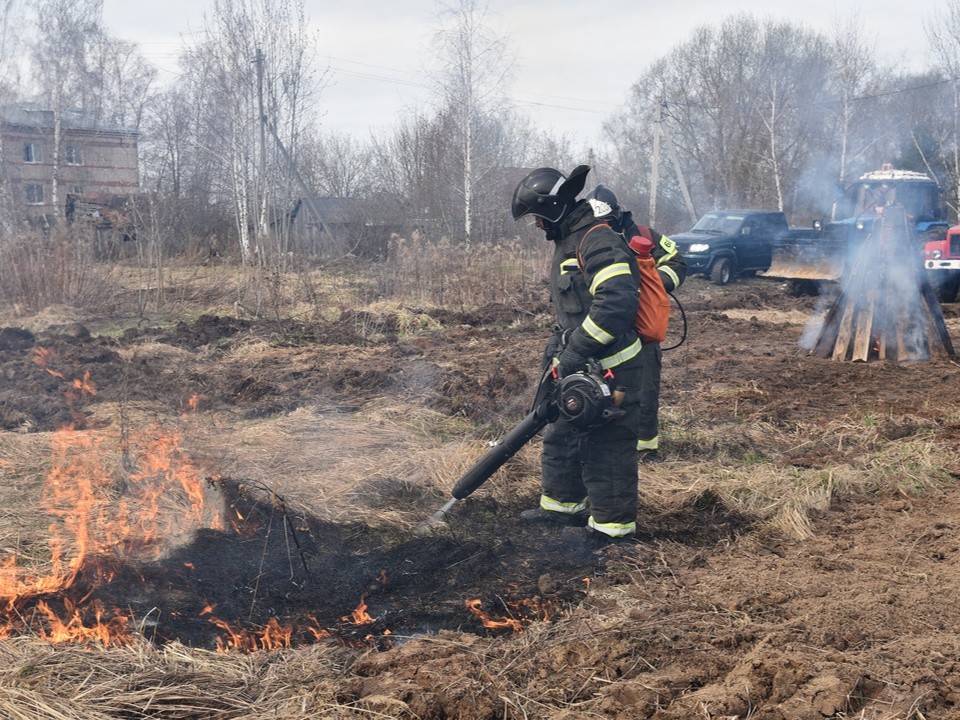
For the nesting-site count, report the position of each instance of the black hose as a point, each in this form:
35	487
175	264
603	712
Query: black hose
683	316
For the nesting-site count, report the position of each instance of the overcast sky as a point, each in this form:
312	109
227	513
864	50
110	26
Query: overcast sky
575	60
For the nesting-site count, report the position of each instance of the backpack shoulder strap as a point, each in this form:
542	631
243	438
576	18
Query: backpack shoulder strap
580	244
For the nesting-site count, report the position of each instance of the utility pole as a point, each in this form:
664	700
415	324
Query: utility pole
308	197
679	171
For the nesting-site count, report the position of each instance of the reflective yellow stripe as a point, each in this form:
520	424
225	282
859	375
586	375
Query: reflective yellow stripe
548	503
608	272
668	271
627	353
651	444
613	529
668	245
569	265
597	332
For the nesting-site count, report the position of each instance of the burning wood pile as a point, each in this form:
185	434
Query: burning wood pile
886	309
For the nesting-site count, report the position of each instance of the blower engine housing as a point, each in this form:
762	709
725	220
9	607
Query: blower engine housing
585	400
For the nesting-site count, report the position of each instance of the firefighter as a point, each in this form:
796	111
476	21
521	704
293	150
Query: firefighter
589	477
672	270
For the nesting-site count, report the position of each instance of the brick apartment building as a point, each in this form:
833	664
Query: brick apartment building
97	163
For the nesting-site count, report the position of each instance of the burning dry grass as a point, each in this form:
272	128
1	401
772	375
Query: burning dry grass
43	682
72	494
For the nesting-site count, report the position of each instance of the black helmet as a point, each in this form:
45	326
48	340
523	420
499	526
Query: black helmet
548	193
603	194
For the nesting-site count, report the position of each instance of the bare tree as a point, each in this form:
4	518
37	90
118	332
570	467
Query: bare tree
474	68
253	83
66	31
10	16
943	33
792	76
339	165
120	82
742	104
854	75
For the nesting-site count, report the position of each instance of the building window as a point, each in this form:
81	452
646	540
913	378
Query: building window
34	193
72	155
32	153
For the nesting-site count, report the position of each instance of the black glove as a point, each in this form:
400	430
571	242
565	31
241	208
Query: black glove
568	362
550	352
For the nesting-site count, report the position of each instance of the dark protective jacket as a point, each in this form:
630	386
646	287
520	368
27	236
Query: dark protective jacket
671	266
672	269
594	286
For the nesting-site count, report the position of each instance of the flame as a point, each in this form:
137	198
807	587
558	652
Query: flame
359	616
488	622
42	356
272	636
533	607
85	386
234	638
101	513
78	387
525	611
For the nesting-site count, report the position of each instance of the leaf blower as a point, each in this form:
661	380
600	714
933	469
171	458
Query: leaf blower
583	399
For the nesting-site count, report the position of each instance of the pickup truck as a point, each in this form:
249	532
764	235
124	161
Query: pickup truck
727	243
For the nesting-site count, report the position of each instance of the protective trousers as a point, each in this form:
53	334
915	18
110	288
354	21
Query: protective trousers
648	424
598	465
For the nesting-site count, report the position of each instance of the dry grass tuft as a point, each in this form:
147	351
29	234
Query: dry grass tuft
335	465
148	351
747	465
51	682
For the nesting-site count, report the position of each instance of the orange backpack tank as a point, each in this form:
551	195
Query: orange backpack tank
653	312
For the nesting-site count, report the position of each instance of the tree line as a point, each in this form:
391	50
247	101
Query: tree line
745	112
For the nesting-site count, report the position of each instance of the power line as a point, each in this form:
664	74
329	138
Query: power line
823	103
347	72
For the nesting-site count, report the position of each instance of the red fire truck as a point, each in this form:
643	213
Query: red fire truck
941	258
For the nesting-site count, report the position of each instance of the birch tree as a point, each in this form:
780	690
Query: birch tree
741	100
791	78
253	84
66	32
474	67
10	18
853	76
120	81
